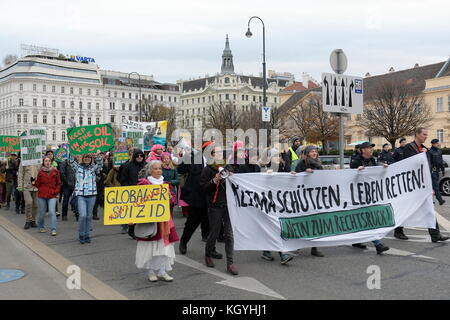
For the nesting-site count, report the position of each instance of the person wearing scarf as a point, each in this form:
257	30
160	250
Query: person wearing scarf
214	187
157	253
48	183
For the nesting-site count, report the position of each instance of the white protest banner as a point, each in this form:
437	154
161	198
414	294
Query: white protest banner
285	212
31	149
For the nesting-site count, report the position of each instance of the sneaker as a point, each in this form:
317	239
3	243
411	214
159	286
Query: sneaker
166	277
216	255
231	268
209	262
33	224
152	277
53	233
315	252
285	258
381	248
266	255
27	225
42	230
400	235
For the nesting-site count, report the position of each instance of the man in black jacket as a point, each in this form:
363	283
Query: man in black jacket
412	149
366	159
385	155
129	176
192	194
399	152
68	180
214	186
436	165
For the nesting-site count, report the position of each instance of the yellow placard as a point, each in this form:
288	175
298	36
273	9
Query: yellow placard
137	204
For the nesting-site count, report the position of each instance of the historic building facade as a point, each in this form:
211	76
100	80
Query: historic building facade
228	87
44	91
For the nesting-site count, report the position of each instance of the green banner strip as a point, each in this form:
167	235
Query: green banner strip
338	222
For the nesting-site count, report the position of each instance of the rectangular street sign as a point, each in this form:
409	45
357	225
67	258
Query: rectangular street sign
342	93
266	114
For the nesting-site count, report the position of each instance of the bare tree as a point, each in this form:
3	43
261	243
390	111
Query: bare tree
154	111
394	111
222	116
312	123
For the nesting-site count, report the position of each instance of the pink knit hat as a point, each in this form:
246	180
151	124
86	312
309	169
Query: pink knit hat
156	147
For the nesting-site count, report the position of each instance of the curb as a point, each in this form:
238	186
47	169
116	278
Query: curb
93	286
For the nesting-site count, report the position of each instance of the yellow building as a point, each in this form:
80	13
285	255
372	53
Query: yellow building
433	81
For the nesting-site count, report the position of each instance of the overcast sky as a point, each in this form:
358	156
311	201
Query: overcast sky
181	39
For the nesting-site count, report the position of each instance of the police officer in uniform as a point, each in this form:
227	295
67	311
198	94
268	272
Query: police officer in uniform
437	165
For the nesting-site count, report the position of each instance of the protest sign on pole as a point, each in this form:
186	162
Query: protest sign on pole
62	152
285	212
121	147
137	204
137	137
40	131
153	132
31	149
89	139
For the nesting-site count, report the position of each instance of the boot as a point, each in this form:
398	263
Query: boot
440	237
182	248
231	268
27	225
359	245
316	252
400	235
381	248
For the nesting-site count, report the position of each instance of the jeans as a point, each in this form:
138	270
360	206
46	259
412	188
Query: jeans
216	216
67	192
85	206
45	204
376	242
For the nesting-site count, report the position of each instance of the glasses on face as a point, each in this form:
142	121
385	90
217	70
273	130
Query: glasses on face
140	156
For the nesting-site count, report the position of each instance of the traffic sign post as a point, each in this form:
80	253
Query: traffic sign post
341	94
266	114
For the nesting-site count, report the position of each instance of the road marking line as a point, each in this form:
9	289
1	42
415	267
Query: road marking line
402	253
442	221
93	286
243	283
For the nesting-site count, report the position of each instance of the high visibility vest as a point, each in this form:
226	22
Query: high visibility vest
294	155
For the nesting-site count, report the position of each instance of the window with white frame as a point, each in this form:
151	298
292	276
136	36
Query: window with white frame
440	135
439	104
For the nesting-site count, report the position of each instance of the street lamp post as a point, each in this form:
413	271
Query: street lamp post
248	34
140	95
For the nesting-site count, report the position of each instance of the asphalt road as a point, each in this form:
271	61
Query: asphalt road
416	269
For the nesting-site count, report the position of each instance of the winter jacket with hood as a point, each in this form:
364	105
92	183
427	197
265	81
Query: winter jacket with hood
48	183
129	175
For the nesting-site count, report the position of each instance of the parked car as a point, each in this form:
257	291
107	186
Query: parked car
444	183
332	162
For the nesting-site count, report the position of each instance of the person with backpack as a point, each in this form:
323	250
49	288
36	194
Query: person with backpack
68	180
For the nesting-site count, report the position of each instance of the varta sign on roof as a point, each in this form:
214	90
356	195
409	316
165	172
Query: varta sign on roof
81	59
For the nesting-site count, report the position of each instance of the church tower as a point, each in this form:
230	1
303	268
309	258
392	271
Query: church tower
227	59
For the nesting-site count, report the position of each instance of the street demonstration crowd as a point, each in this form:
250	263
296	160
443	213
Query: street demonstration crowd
198	188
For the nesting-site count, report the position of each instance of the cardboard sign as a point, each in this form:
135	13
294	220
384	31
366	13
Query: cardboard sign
137	204
89	139
9	144
62	153
121	147
31	150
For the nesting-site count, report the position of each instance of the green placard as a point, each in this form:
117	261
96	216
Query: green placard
89	139
9	144
336	223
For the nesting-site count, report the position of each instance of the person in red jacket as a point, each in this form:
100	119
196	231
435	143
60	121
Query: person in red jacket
48	183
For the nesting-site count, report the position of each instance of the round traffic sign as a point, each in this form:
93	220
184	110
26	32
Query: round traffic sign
338	61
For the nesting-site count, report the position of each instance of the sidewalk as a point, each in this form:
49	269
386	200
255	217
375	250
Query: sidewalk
41	280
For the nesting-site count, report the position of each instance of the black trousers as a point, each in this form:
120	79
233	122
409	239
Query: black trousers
435	180
216	216
20	201
196	217
67	193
